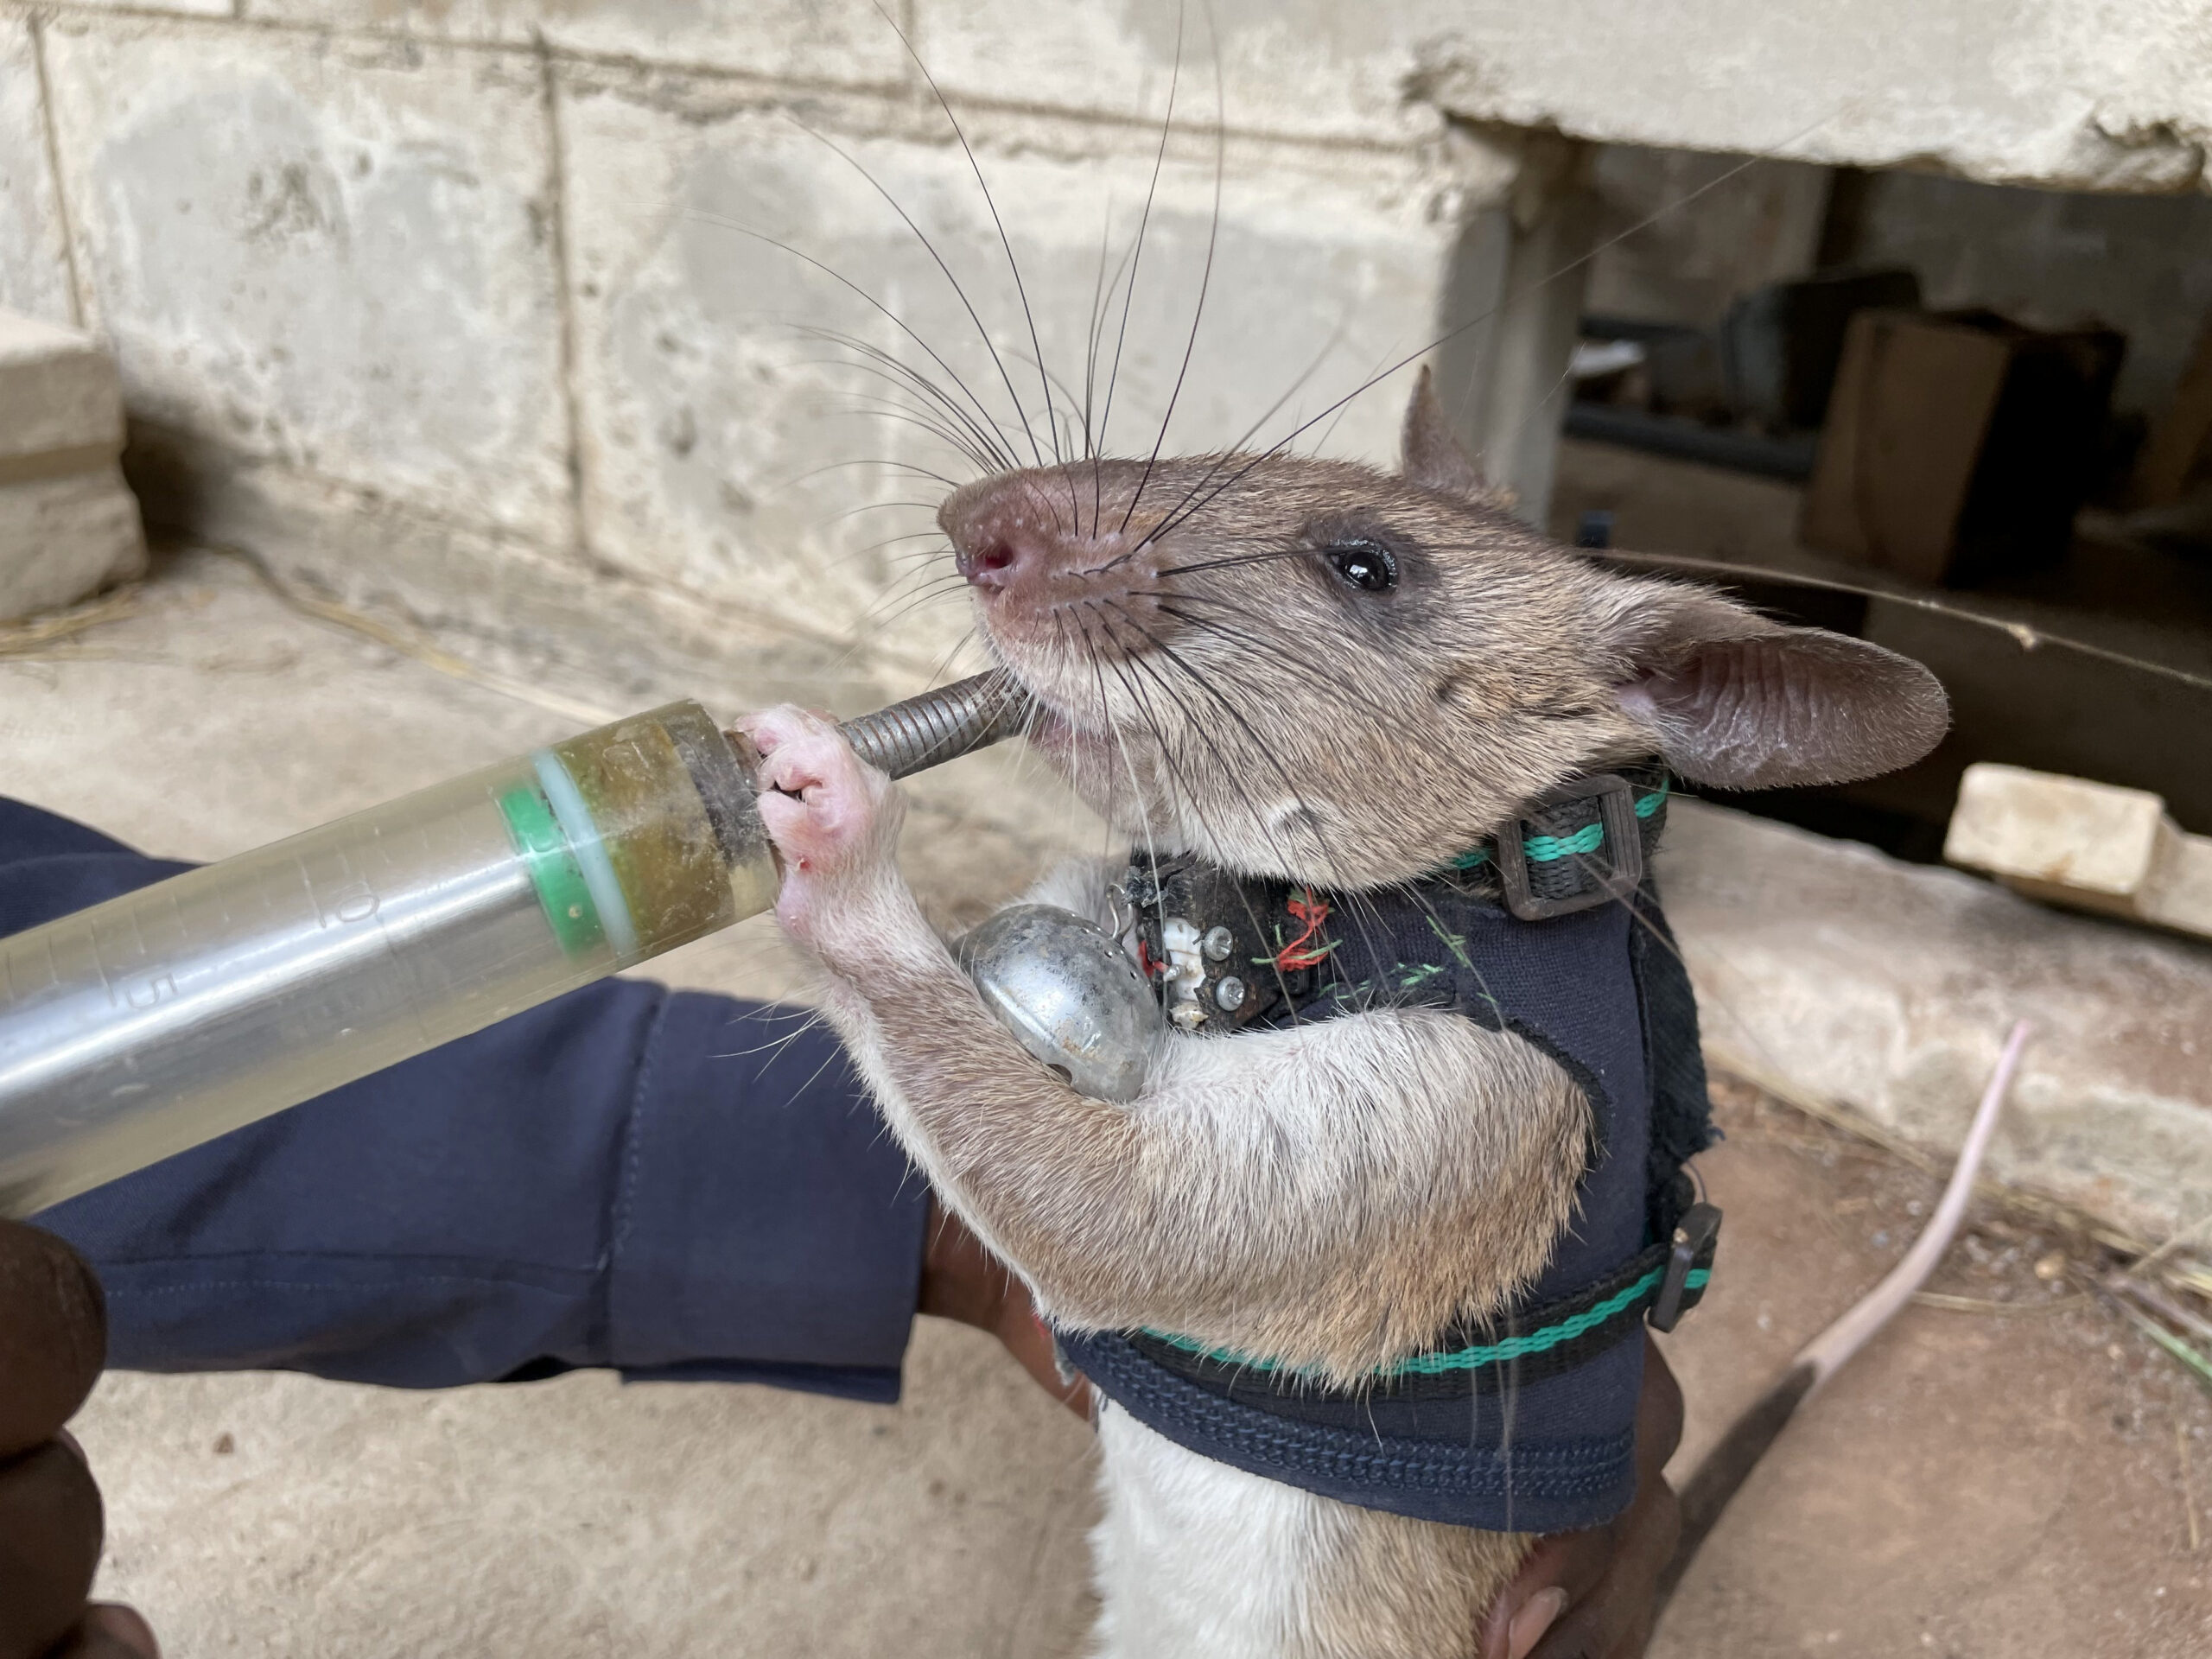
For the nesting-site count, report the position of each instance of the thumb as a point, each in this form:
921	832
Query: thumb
109	1630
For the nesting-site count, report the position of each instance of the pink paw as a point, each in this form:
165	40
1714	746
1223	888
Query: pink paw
834	820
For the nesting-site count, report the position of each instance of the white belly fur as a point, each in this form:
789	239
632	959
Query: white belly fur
1194	1558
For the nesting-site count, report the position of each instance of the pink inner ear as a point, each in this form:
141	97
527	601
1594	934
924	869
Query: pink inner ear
1794	706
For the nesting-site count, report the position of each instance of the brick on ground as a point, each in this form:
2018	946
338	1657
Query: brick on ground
2092	846
69	523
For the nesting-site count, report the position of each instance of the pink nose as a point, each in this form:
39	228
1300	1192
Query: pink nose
991	565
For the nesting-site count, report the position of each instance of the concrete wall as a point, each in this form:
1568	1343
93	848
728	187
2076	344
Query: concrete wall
456	302
467	304
479	307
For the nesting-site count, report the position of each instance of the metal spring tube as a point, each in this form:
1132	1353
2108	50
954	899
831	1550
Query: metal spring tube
937	726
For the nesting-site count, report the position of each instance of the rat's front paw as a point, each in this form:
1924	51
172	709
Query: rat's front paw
834	819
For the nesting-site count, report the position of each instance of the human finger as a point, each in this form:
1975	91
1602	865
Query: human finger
53	1335
108	1631
962	1280
50	1526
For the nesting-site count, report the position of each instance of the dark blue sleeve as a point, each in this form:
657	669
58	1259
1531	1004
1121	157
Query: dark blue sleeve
674	1185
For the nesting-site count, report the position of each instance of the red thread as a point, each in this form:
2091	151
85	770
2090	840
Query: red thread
1313	911
1144	964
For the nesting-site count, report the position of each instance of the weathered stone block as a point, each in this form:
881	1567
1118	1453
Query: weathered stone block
2091	836
335	254
725	444
2072	842
68	524
58	396
34	264
61	538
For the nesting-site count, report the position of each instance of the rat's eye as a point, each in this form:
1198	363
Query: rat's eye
1365	565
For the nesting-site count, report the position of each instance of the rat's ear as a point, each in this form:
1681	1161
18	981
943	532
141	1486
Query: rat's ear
1432	457
1740	701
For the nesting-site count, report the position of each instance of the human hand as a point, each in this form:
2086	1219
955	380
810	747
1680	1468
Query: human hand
1593	1594
962	1281
52	1342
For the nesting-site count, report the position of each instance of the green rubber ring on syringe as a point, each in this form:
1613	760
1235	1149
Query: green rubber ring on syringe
553	870
574	815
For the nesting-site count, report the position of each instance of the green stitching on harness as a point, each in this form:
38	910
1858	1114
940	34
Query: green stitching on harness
1550	1336
1454	943
1464	1359
1270	962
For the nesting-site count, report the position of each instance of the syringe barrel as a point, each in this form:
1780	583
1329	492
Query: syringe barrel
169	1015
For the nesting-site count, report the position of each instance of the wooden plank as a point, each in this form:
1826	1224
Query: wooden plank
1912	405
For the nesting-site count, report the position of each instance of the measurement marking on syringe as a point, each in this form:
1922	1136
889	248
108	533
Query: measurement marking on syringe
237	983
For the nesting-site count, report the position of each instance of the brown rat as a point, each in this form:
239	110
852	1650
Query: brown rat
1315	672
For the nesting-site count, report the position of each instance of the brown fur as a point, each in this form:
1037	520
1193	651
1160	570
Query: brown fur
1416	1587
1341	1249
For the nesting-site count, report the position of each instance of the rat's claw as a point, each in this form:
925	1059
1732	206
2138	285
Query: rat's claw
774	729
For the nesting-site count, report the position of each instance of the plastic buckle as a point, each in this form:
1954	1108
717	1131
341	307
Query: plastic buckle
1623	852
1697	1236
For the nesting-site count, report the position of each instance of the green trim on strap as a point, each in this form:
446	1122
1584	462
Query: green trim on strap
1546	849
1468	1359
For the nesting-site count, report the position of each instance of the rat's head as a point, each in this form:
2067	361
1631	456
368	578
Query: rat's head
1313	670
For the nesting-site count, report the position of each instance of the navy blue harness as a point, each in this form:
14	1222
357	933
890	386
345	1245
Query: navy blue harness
1525	1422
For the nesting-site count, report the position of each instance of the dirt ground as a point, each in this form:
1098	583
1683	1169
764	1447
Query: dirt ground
2016	1481
1982	1483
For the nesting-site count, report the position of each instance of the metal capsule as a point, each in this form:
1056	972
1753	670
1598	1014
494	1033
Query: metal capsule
1069	995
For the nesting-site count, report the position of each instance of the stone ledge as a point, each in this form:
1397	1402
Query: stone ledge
2045	93
1831	971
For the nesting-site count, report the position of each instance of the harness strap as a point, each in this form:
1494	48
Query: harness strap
1664	1281
1586	843
1440	1435
1263	943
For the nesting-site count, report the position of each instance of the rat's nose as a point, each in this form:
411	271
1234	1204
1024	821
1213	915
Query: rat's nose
990	562
1009	533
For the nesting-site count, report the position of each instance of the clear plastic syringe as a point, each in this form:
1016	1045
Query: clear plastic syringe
168	1016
